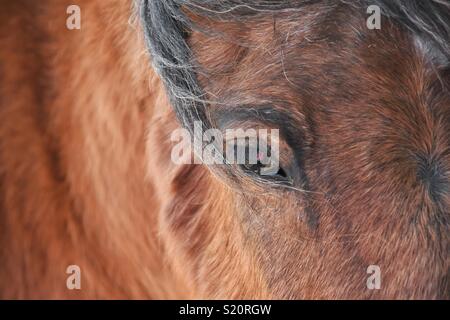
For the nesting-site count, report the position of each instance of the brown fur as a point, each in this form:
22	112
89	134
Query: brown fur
86	176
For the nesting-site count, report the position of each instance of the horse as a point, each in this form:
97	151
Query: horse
86	172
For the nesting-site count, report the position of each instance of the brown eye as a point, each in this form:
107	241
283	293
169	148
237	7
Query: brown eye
266	166
261	155
259	168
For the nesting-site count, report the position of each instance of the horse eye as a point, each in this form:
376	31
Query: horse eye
263	164
268	170
262	170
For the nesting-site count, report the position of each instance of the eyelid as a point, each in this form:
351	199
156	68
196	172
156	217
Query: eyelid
291	125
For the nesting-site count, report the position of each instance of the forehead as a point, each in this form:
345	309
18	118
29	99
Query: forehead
283	58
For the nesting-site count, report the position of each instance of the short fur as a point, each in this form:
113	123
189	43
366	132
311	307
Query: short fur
85	170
